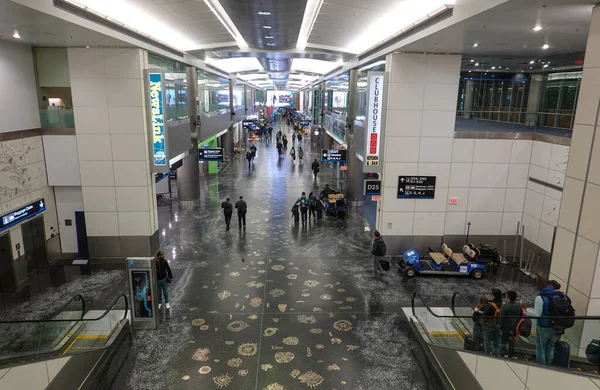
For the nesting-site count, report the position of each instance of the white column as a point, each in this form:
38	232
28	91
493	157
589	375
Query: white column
118	188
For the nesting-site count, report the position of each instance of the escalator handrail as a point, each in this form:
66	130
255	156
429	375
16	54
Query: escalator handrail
62	308
112	305
458	294
416	295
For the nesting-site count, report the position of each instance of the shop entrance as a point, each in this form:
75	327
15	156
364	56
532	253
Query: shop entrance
34	245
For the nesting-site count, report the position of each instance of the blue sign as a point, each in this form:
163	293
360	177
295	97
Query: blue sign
157	118
22	214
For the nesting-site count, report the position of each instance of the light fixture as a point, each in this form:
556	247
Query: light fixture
469	71
267	27
546	46
477	64
545	66
16	34
472	61
493	67
311	11
475	44
531	67
374	64
264	13
270	44
269	37
532	62
537	28
87	47
499	67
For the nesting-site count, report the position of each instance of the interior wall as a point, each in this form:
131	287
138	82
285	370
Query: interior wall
62	160
68	201
18	103
52	67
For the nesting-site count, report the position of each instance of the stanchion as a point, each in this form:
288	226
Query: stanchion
522	246
514	259
504	259
523	268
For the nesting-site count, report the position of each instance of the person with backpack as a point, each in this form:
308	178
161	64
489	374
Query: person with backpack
313	206
296	214
508	326
293	153
304	203
550	303
477	340
299	137
491	330
315	168
378	251
242	208
300	153
249	158
227	210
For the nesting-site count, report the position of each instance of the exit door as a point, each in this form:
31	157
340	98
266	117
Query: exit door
34	245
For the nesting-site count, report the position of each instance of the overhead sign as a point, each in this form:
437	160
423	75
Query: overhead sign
416	187
376	106
156	107
20	215
210	155
249	124
334	155
372	187
305	123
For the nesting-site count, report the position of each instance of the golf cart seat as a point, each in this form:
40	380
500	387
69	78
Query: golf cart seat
441	257
459	258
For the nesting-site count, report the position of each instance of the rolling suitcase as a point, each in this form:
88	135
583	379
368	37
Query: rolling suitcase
562	354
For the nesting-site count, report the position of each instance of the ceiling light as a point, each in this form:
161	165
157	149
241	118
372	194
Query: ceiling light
537	28
477	64
269	37
87	47
264	13
531	67
475	44
374	64
493	67
267	27
308	21
546	46
271	44
507	68
16	34
472	60
532	62
545	66
469	71
499	67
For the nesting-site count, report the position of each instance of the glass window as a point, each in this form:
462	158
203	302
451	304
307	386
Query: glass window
213	92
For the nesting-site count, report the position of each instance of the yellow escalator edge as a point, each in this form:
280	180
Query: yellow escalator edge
98	337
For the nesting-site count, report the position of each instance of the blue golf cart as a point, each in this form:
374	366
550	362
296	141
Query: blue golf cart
444	262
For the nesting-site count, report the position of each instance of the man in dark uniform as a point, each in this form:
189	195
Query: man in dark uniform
241	207
227	210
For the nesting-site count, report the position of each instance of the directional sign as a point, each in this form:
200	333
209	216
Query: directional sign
210	155
416	187
305	122
22	214
249	124
333	155
372	187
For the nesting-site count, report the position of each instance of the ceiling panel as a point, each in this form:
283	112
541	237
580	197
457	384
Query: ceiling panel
285	20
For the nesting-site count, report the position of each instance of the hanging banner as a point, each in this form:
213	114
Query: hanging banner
157	125
375	126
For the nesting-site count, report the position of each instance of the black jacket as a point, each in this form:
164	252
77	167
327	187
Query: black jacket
227	207
379	248
163	270
314	166
241	207
490	317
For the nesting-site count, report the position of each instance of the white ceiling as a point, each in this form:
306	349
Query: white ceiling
40	29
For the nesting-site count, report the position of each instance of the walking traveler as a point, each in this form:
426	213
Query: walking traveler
508	326
241	208
313	206
164	277
304	203
227	211
491	329
315	168
378	251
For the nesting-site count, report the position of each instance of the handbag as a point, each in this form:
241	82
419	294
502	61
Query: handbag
385	264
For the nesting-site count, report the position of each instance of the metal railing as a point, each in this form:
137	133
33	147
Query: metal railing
520	119
55	117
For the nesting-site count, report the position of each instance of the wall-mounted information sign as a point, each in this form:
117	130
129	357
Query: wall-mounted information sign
372	187
416	187
334	155
305	123
210	155
250	124
376	107
20	215
156	107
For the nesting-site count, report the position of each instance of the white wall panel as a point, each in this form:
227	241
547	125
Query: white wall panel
492	151
68	201
62	160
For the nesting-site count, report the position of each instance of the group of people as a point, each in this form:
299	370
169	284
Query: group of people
251	155
305	205
242	208
501	319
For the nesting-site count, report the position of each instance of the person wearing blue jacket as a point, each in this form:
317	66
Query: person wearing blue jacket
304	203
546	336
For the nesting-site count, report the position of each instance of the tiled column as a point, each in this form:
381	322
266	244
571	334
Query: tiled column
575	260
118	188
421	110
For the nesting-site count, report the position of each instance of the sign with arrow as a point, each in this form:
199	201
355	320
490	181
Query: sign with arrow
416	187
334	155
22	214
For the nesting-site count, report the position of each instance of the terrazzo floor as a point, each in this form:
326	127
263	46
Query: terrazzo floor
276	305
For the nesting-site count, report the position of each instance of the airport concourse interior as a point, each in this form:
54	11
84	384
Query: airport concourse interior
315	194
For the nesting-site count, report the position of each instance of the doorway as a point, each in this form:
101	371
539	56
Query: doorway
7	276
83	251
34	245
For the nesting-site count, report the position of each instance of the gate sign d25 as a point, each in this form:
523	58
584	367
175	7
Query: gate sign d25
416	187
375	125
372	187
333	155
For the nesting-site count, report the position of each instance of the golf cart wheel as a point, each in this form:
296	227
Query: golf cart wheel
410	272
477	274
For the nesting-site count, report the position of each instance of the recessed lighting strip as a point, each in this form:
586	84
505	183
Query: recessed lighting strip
216	7
308	21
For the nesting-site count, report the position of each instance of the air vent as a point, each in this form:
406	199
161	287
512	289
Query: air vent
417	29
72	9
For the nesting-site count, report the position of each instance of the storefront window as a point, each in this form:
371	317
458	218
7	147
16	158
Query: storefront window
213	92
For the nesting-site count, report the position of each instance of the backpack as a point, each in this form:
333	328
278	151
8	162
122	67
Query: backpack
492	322
383	248
592	352
303	202
523	326
560	306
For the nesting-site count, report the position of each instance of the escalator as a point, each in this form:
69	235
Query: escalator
81	346
441	332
